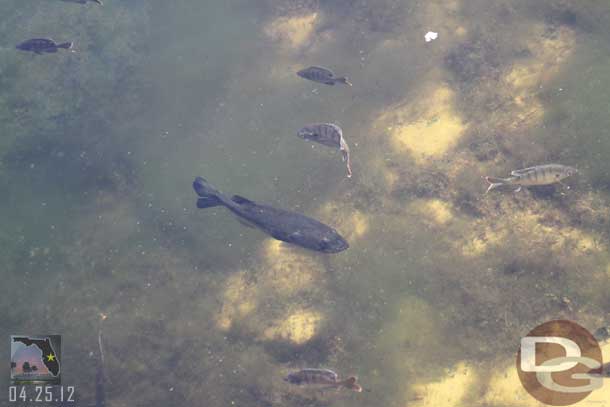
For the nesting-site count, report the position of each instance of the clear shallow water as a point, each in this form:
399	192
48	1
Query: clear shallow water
99	148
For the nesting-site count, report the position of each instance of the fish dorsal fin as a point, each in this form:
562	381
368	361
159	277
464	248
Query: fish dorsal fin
241	200
326	71
208	202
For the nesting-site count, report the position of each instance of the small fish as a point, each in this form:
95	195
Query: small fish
40	45
329	135
322	75
84	1
322	377
604	372
282	225
538	175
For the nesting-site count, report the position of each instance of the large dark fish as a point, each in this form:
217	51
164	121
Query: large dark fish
329	135
40	45
322	377
322	75
283	225
538	175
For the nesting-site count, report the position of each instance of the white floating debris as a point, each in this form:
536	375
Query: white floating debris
431	35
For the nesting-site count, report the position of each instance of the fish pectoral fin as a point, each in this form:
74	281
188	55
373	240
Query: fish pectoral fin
241	200
282	237
278	236
208	202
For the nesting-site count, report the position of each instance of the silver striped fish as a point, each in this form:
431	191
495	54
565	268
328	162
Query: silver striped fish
322	377
322	75
330	135
538	175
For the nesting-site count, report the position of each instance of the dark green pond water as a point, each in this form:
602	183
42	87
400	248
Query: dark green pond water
99	147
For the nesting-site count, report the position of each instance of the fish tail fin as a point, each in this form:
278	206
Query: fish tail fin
99	2
495	182
344	80
65	45
351	383
208	195
345	152
348	163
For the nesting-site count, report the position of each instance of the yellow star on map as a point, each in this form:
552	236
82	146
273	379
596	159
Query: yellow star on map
50	357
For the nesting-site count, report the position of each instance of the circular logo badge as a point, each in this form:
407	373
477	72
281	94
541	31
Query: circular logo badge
559	363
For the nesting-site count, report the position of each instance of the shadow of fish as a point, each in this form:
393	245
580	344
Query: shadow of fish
282	225
322	377
84	1
322	75
40	45
329	135
538	175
